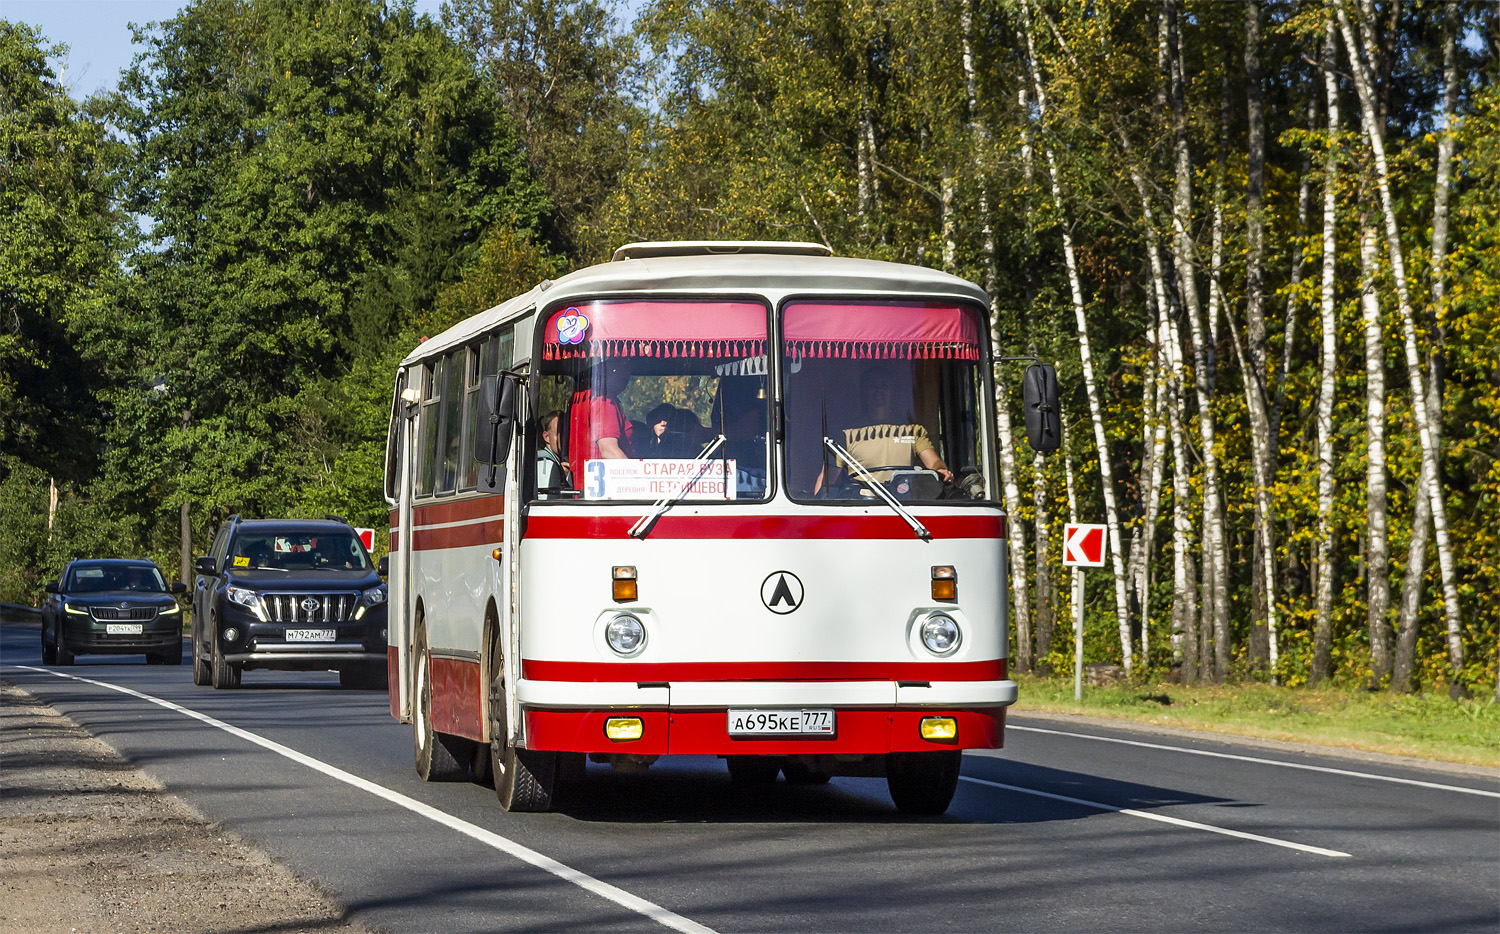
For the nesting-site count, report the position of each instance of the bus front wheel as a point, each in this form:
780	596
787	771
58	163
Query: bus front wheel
923	782
524	778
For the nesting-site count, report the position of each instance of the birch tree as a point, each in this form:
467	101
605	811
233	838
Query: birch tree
1422	409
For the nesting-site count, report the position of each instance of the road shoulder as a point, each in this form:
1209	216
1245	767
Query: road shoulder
92	845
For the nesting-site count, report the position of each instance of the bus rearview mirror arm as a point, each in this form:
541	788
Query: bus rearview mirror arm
497	419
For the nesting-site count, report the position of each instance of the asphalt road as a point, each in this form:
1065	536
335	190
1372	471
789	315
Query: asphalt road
1068	828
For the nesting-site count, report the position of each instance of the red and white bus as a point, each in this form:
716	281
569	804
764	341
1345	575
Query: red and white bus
713	499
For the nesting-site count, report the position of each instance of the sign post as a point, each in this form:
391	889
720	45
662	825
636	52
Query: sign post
1083	547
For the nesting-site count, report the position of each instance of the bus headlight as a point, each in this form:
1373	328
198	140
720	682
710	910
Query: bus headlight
625	635
940	634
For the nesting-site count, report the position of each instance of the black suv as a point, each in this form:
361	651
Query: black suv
290	594
112	606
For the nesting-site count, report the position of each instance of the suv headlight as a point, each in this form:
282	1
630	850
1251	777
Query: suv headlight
76	611
169	610
249	599
375	596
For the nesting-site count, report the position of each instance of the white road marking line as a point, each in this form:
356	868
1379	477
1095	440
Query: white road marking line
1286	765
1162	818
505	845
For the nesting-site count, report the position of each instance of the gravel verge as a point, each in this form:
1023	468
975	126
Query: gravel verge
90	845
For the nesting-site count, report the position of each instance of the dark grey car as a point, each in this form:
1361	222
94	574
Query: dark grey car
112	606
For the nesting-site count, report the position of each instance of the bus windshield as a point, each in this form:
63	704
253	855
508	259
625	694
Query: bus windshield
633	392
885	394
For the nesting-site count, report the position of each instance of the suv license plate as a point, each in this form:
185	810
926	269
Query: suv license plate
123	629
310	635
781	722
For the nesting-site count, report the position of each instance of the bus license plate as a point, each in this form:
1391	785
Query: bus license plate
123	629
780	722
309	635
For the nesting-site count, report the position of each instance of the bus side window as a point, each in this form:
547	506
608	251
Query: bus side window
428	429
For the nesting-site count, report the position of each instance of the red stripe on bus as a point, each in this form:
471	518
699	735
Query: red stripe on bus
539	670
459	536
762	526
457	510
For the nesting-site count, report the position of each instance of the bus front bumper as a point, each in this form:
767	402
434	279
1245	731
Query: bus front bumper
692	718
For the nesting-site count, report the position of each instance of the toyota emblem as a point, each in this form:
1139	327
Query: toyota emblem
310	604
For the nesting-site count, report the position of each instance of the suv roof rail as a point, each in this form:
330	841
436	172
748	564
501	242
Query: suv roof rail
332	517
234	519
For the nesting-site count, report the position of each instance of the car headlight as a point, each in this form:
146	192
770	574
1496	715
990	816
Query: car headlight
940	634
248	599
625	635
169	610
76	611
374	596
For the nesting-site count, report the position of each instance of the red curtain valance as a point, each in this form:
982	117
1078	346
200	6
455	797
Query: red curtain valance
656	329
927	331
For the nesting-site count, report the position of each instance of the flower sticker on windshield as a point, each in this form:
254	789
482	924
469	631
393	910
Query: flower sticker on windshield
571	326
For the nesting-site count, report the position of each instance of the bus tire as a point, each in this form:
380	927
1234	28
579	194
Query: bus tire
923	782
439	756
225	674
524	778
752	770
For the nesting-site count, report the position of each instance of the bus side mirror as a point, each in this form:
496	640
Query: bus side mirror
1043	418
496	424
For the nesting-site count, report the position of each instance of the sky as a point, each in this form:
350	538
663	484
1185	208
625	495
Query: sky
97	33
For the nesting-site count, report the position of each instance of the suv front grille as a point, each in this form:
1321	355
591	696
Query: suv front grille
309	607
114	613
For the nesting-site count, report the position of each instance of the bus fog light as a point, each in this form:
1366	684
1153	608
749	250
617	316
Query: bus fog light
625	635
622	580
944	583
940	634
940	729
624	729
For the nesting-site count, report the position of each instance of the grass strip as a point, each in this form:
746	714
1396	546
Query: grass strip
1428	726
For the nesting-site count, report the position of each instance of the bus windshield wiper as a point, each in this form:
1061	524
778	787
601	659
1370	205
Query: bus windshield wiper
917	528
642	528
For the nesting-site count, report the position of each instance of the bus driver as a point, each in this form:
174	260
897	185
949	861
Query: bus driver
881	441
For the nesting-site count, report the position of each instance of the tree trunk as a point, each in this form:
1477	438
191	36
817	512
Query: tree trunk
1426	416
1096	412
1045	614
1215	568
185	527
1021	602
1377	554
1262	457
1323	548
1405	662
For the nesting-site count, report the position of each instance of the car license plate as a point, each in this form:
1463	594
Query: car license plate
123	629
310	635
781	722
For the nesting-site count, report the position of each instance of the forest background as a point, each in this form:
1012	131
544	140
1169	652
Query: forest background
1260	240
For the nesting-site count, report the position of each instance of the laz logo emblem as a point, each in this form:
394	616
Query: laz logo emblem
781	592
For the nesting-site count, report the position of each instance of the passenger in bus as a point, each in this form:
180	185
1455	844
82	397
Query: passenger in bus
597	427
671	432
881	439
552	472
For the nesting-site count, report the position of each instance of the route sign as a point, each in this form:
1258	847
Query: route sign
368	537
1084	545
